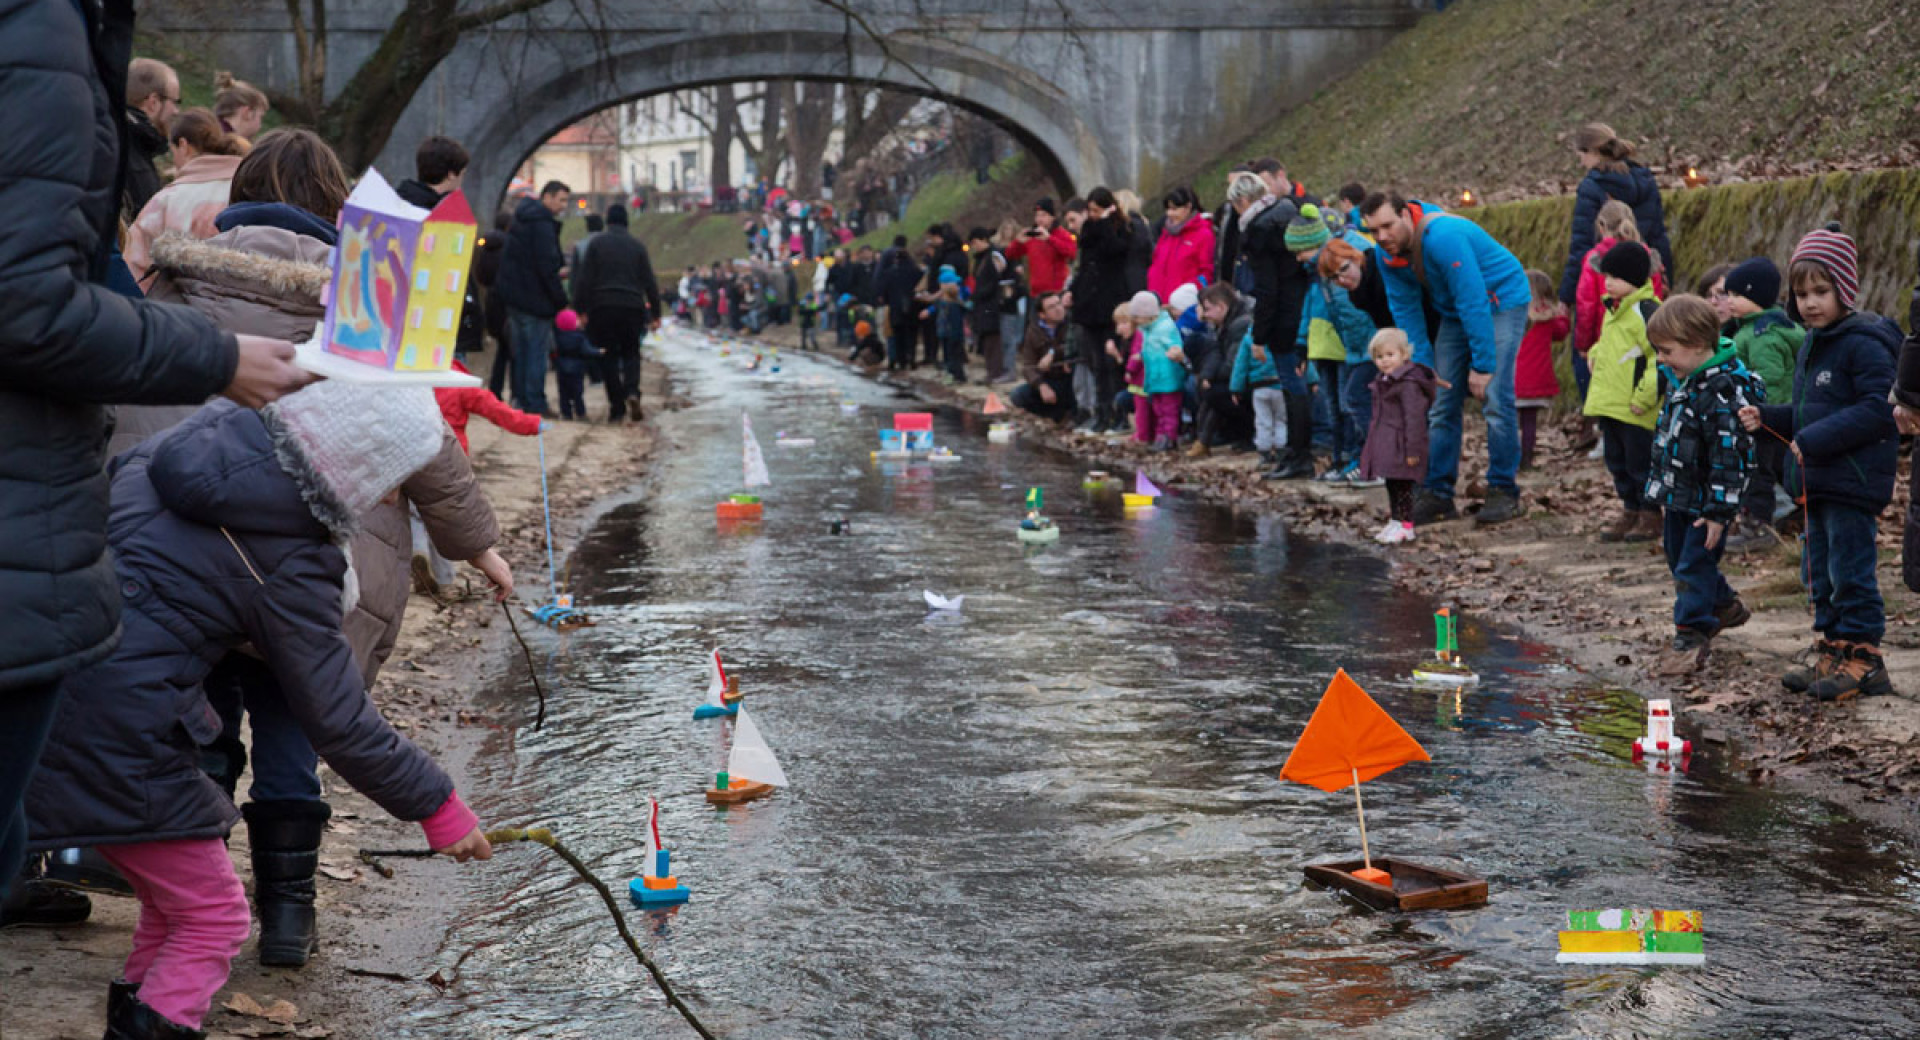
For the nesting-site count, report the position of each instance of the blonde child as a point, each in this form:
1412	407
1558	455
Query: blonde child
1396	449
1534	383
1124	348
1614	225
1163	373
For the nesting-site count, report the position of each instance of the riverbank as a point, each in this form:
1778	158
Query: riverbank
1603	608
380	938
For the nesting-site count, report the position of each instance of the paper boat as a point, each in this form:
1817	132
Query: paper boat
792	442
752	771
723	692
656	887
939	602
1143	494
942	454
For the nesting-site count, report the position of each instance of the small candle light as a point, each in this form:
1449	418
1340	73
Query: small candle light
1467	199
1695	178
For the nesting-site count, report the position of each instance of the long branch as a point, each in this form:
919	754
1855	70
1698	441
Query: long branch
879	41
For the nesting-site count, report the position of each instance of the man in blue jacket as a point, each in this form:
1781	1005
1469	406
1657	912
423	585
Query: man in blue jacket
1479	293
529	284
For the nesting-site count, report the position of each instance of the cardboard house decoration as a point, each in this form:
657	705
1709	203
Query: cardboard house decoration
399	281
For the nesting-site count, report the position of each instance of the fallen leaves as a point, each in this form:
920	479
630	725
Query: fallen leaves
278	1017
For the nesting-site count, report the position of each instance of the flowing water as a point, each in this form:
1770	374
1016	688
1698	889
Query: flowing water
1057	815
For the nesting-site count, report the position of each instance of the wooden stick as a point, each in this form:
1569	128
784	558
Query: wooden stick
1365	855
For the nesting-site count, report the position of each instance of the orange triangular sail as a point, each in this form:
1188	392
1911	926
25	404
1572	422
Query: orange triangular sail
1349	739
995	406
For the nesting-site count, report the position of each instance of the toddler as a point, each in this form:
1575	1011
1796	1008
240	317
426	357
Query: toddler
1624	388
1534	383
1768	342
573	353
1256	379
1163	373
1124	348
1396	448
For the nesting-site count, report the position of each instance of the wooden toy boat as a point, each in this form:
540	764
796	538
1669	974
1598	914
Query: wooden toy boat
752	771
1409	886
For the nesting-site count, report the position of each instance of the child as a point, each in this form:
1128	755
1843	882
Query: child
809	317
949	316
1256	380
1768	342
1624	388
868	348
1534	383
228	531
1701	458
458	404
1845	450
1614	225
1396	448
1164	374
1124	347
572	354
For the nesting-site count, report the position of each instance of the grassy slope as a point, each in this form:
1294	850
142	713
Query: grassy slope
1481	95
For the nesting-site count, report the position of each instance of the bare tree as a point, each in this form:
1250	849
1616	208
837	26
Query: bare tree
809	124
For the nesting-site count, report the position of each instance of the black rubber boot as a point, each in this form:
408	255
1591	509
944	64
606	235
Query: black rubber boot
1296	463
131	1020
285	839
119	993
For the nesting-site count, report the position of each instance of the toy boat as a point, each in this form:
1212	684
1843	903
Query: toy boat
738	508
848	408
723	693
1036	529
1408	886
1446	667
1000	433
1097	480
785	441
560	615
745	506
1660	741
656	887
1143	495
942	454
752	771
1633	937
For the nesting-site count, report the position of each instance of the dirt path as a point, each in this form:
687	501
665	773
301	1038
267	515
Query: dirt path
1606	609
380	939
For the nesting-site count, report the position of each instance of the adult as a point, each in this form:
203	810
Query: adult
615	288
1140	244
153	99
944	251
240	106
895	281
1221	419
204	158
486	273
529	283
1480	293
1046	372
1047	249
1280	284
1611	174
997	293
439	169
1099	287
596	225
1184	253
1226	254
68	346
1273	173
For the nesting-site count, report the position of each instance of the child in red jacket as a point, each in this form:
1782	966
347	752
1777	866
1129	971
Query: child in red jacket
1534	383
458	403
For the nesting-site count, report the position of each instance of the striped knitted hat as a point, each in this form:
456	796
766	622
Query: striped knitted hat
1835	251
1307	230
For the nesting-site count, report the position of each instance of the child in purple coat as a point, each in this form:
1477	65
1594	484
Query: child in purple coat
1396	448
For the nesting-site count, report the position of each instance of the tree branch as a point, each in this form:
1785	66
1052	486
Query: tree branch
886	49
488	15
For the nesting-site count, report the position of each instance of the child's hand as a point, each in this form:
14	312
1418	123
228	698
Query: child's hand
1259	354
495	568
1176	354
1714	530
1636	409
1113	351
1906	419
474	846
1749	419
1413	460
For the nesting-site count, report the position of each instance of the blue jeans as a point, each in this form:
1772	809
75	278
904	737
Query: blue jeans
285	766
26	716
1453	363
1356	399
1839	565
1013	328
532	341
1698	587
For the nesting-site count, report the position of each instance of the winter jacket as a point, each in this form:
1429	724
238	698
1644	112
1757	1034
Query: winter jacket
1249	373
1049	258
1216	367
896	280
1100	283
572	352
1039	342
1840	415
996	284
1280	282
1183	255
197	195
458	404
1398	429
1701	453
1226	252
68	344
1533	376
214	547
1139	254
1164	375
1331	327
142	144
1906	391
529	278
1590	296
1625	375
1768	343
863	282
950	320
616	272
1469	278
1635	187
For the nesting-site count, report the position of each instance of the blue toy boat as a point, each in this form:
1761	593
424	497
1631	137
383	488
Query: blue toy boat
723	693
656	888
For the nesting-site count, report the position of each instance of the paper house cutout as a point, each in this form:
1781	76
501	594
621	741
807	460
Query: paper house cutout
1621	936
912	421
399	280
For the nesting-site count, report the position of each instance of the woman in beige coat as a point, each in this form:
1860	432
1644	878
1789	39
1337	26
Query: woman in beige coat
204	158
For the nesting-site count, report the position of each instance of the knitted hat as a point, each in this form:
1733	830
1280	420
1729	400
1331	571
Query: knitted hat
1307	231
1757	280
1184	299
1628	261
567	320
1835	251
1144	306
1046	205
861	329
347	445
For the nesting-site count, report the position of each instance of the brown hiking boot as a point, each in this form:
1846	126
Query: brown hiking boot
1198	450
1731	614
1860	670
1621	527
1812	664
1646	528
1685	655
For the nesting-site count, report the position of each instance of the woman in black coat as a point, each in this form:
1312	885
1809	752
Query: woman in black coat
1099	287
1611	175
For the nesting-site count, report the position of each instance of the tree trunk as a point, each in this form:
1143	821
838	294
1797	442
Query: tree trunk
809	124
773	143
725	118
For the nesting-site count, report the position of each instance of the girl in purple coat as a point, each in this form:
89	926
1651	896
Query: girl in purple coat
1396	448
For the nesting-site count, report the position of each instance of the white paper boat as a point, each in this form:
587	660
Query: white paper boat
755	463
938	602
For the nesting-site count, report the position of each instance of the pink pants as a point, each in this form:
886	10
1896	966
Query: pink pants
1157	416
193	921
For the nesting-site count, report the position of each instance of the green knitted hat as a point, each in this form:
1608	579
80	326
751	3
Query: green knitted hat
1308	230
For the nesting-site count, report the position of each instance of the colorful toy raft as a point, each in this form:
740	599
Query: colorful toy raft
1633	937
1445	667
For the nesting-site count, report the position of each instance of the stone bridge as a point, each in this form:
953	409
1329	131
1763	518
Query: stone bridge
1108	91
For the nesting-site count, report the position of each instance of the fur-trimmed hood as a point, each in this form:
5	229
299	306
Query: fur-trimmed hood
254	279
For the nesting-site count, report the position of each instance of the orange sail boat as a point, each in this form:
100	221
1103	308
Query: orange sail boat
1349	740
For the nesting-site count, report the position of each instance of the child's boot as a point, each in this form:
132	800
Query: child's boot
1812	664
1686	654
1859	671
1647	527
1621	527
129	1019
285	839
